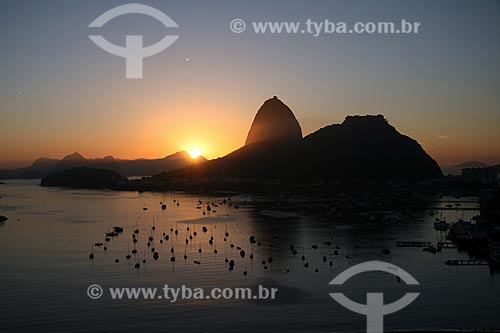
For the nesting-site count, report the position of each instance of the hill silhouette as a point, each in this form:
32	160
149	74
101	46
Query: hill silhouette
362	148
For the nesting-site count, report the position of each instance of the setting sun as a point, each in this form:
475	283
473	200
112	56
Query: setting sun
194	153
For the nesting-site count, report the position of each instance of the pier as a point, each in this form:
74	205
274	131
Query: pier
466	262
413	244
453	208
447	245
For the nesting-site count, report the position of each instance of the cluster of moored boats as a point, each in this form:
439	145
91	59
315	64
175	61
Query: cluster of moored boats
155	243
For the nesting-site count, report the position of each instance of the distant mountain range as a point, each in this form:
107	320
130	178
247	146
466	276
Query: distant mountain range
140	167
471	164
362	148
456	170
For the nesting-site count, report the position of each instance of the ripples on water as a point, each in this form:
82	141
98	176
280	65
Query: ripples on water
45	269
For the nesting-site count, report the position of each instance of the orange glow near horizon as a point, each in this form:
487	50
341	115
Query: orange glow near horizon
194	153
182	124
205	125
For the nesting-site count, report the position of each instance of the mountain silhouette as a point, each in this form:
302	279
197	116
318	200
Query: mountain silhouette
77	160
74	157
274	120
139	167
367	147
44	164
148	167
362	148
38	169
471	164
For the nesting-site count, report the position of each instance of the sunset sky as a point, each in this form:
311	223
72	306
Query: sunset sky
60	93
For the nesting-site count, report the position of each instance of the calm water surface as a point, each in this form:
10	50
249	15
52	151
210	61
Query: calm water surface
45	268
